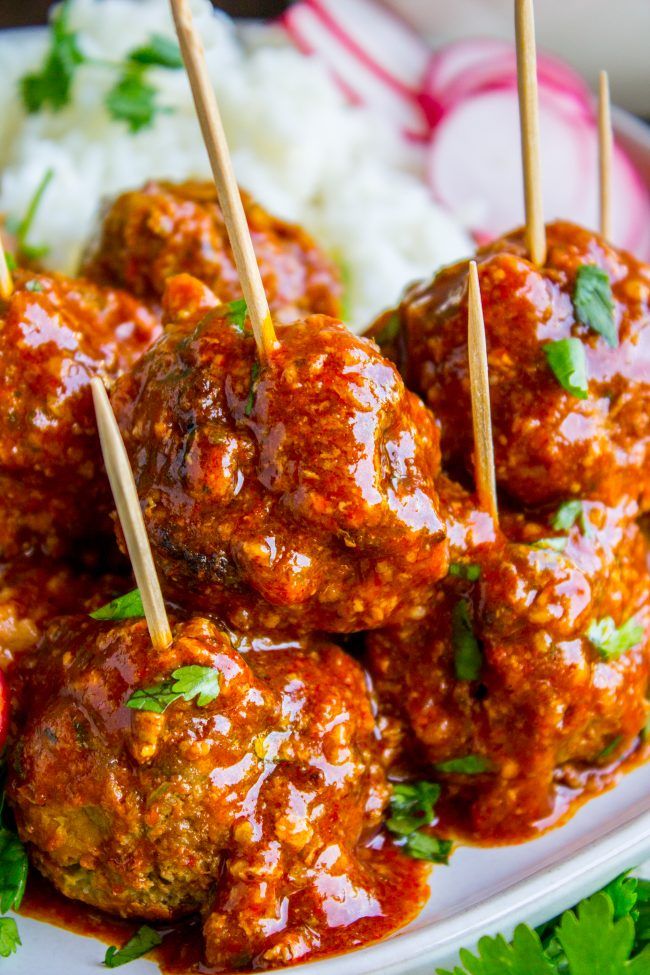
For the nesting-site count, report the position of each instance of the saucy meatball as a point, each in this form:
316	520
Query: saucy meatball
163	229
251	804
526	684
56	333
302	495
549	444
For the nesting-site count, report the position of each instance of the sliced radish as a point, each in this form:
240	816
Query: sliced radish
379	38
475	168
360	82
465	68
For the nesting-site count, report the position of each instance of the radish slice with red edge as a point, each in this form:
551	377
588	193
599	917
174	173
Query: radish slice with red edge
474	168
379	38
359	82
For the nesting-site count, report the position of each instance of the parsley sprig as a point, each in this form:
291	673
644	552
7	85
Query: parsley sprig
13	878
124	607
133	99
606	933
186	683
412	807
142	942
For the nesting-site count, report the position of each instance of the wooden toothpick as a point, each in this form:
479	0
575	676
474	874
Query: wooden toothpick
529	124
605	149
224	177
480	389
6	283
127	503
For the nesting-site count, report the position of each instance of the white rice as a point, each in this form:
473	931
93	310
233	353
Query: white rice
297	145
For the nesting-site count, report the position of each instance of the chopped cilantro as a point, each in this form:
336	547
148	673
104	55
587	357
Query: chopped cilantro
237	313
21	228
412	806
124	607
593	302
255	375
468	659
159	51
50	86
425	846
142	941
468	765
609	750
610	641
465	570
9	937
568	513
34	286
186	683
13	871
568	361
557	544
133	100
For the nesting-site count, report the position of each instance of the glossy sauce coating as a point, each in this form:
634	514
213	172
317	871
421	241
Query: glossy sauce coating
150	234
549	445
303	496
254	809
56	333
546	712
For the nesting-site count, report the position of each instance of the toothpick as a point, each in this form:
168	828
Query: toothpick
605	148
129	512
480	388
529	124
6	283
224	177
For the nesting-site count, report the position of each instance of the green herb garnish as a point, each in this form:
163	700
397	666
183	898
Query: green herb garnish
424	846
160	51
610	641
610	749
142	941
13	871
124	607
557	544
9	937
34	286
237	313
465	570
133	100
568	360
568	514
51	85
468	765
412	806
468	659
186	683
593	302
255	375
21	228
389	331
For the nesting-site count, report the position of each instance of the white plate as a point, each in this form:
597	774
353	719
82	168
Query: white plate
482	891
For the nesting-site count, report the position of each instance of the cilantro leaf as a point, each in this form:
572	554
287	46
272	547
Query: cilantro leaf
133	100
568	513
623	893
160	51
9	937
556	544
13	871
255	375
610	641
468	765
51	85
594	942
202	683
468	659
124	607
412	806
142	941
523	956
593	302
465	570
568	361
424	846
21	228
237	313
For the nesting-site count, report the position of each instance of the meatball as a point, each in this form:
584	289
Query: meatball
512	677
55	334
549	444
253	806
303	496
163	229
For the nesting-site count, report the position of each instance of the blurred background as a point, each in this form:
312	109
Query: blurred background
591	34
